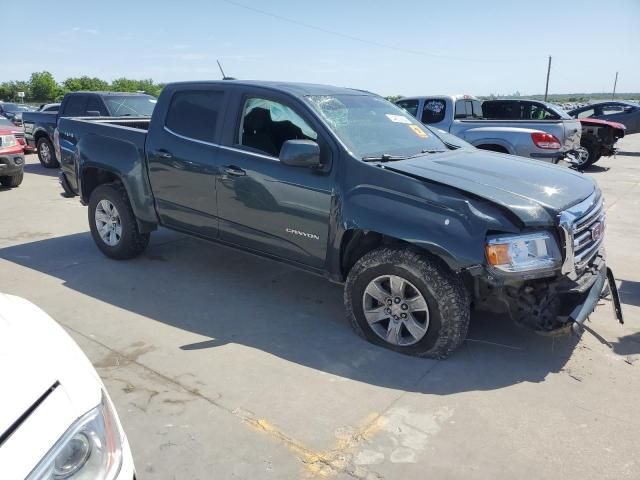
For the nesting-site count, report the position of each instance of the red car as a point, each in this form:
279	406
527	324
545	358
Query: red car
11	159
598	139
18	131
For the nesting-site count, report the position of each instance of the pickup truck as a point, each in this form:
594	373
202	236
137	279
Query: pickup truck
550	136
344	184
39	126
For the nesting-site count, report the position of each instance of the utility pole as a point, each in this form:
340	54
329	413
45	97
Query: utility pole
546	90
615	82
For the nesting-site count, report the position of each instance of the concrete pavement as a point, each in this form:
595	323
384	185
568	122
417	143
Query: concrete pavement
225	365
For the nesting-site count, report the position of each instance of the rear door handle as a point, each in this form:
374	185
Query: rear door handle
234	171
164	154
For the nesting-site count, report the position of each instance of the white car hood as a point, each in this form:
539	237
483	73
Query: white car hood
36	354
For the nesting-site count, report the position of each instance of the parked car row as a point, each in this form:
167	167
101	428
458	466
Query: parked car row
516	127
530	128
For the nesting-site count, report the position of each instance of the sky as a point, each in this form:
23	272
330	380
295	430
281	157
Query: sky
406	47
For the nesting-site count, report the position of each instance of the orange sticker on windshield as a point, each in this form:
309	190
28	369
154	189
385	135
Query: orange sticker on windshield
418	131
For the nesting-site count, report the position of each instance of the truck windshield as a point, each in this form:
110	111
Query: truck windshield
130	105
370	126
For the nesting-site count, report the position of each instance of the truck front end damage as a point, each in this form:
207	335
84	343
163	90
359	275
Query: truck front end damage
562	296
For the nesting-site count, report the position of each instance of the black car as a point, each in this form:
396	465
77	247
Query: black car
625	113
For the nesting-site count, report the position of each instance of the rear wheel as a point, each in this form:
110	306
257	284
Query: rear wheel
12	180
113	224
404	301
46	153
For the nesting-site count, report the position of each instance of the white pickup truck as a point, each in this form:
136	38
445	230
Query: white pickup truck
537	130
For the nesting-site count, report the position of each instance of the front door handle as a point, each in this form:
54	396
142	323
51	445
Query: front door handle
234	171
164	154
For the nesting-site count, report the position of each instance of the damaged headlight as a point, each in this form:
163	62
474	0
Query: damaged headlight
523	253
90	449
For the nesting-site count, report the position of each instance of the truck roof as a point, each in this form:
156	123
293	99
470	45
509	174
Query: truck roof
453	98
293	88
105	94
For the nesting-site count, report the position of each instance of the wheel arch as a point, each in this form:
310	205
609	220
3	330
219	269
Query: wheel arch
92	176
356	243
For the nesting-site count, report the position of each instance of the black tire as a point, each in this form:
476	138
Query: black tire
50	162
445	295
12	181
593	153
131	242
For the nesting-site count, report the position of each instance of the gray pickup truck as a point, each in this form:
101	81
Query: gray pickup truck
538	131
344	184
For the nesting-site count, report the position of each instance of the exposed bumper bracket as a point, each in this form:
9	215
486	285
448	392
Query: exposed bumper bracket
580	314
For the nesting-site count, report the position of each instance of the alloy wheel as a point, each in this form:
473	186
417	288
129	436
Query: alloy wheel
108	223
396	310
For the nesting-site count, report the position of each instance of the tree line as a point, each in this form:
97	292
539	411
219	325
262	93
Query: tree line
43	88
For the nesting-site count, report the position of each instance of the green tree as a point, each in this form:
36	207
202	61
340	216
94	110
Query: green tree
74	84
393	98
43	87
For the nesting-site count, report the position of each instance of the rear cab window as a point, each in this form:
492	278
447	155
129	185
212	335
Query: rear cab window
75	106
195	114
434	111
95	105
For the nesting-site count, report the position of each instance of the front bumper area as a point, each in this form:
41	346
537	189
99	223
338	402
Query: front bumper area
553	304
10	164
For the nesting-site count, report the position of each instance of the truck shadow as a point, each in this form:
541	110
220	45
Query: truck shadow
37	169
231	297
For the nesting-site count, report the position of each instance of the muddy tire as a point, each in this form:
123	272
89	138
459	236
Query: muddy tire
12	181
402	300
46	153
113	224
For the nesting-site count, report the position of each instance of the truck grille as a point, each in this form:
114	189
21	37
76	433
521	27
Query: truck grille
583	228
588	234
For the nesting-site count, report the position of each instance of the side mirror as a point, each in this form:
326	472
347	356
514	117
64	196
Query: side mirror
93	113
300	153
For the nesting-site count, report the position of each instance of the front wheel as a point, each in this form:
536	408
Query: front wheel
113	224
587	154
46	153
407	302
12	181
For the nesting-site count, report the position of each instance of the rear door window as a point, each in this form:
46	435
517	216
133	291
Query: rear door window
410	106
195	114
589	112
612	109
433	111
75	106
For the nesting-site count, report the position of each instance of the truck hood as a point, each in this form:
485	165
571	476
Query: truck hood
534	191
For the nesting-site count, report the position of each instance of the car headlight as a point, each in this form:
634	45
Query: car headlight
90	449
8	141
523	253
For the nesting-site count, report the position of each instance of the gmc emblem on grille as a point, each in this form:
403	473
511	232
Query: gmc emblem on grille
596	231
